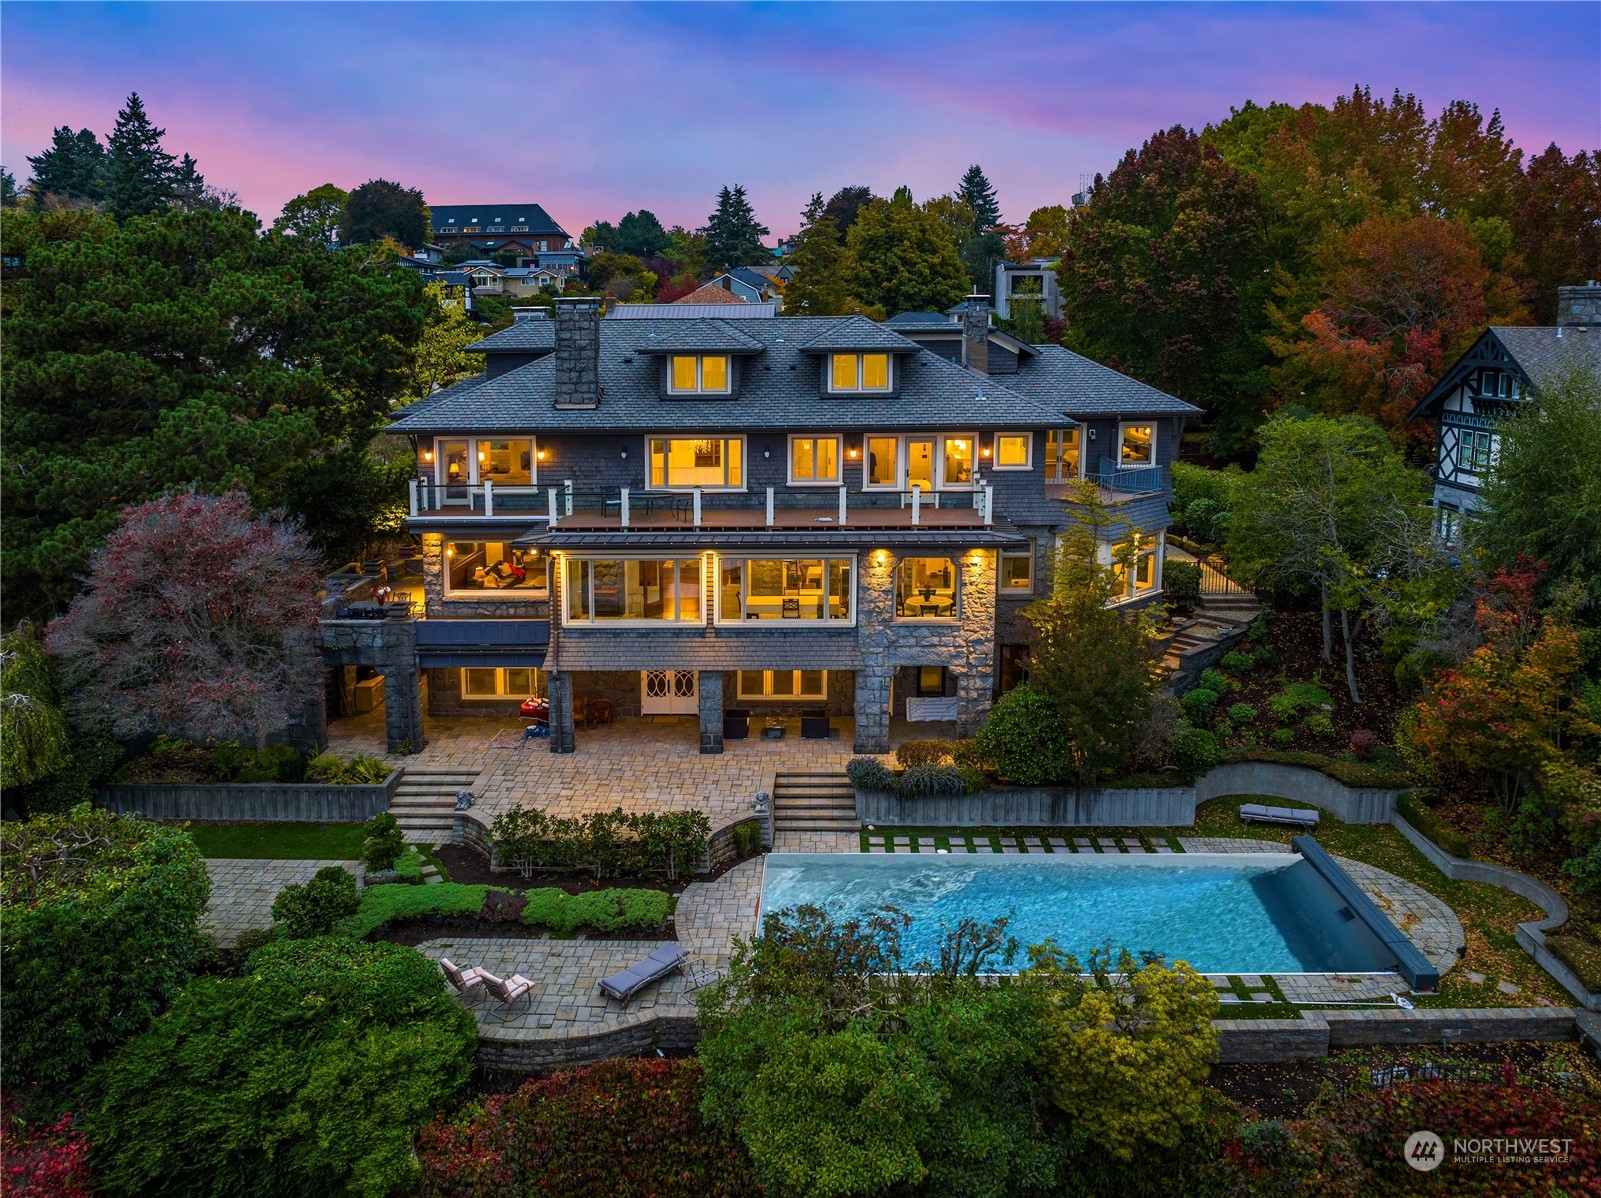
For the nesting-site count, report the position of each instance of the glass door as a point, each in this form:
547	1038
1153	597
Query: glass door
455	471
920	465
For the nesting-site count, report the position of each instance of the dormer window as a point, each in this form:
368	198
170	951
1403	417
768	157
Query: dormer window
697	374
858	372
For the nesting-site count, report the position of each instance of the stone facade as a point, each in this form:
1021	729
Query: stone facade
577	352
710	691
487	607
390	648
965	646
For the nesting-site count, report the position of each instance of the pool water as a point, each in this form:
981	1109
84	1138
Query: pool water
1220	912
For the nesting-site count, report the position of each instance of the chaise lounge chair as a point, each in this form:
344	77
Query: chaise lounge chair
463	979
1257	813
624	984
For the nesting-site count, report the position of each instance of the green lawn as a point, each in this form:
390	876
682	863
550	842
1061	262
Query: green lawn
280	841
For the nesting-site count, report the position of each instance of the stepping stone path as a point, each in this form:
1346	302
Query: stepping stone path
1476	978
1506	987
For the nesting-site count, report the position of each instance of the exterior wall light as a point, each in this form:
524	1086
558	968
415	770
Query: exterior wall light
543	454
427	455
625	455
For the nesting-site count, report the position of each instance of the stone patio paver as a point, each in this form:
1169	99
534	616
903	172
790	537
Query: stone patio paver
242	890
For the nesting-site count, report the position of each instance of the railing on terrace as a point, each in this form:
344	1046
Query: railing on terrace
1140	480
770	508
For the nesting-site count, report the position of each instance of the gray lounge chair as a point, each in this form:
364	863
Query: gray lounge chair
1257	813
625	983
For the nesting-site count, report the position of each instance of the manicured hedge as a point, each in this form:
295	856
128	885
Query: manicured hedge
308	1076
381	904
1432	826
623	1127
99	915
603	910
1351	773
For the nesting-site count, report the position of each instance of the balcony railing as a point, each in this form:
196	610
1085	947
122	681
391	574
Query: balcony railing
1140	480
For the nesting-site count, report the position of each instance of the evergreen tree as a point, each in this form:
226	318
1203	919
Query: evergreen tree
379	209
818	288
979	195
73	167
844	204
140	175
733	234
8	189
903	259
640	234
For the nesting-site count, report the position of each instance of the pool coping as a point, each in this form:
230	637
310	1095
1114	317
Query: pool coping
1415	969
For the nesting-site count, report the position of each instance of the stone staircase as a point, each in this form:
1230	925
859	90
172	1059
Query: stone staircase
814	803
1236	607
425	803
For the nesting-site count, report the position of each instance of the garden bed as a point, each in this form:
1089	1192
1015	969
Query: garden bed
500	912
463	927
467	864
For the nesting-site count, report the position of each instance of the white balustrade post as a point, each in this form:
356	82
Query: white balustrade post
697	507
769	507
489	497
989	505
917	504
413	497
552	491
622	508
842	506
567	486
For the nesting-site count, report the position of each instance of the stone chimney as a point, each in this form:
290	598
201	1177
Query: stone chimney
975	333
578	351
1579	305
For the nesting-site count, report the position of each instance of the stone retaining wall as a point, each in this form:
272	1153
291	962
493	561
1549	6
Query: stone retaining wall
1033	807
307	802
1530	934
1298	784
526	1055
470	830
1317	1032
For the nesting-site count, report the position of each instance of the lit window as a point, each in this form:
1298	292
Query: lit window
814	459
757	589
697	462
1012	451
859	372
473	567
1137	445
497	682
958	461
925	588
783	684
883	467
1017	573
698	375
633	589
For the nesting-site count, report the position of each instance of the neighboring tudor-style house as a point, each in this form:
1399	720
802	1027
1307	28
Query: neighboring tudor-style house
1501	371
684	514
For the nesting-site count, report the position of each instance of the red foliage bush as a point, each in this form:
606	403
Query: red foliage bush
1365	744
619	1129
43	1162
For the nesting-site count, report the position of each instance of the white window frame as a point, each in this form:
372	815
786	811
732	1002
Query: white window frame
441	478
562	561
502	694
940	482
1157	552
1013	555
957	589
1028	451
744	559
839	460
1121	432
685	488
700	387
859	389
902	460
493	594
1052	474
767	684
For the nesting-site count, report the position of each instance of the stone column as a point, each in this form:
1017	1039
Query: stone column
559	692
872	708
709	684
403	706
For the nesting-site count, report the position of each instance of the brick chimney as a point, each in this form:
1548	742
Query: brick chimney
578	351
975	333
1579	305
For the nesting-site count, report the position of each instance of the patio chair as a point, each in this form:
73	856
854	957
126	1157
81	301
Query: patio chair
626	983
815	724
462	979
506	991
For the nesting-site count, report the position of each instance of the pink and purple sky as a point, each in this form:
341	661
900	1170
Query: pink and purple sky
595	109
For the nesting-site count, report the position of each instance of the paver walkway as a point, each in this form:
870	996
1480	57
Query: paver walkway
242	891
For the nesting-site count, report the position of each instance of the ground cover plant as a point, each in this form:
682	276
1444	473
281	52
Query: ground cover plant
306	1076
176	760
100	921
622	1127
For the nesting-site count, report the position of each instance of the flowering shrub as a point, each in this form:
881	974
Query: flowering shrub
43	1162
620	1127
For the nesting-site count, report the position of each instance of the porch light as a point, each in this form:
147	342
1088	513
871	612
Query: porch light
851	453
427	455
450	551
542	455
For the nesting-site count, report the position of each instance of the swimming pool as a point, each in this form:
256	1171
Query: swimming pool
1221	912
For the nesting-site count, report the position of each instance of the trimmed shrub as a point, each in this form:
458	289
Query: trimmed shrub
1199	705
99	915
1025	739
309	1076
974	779
1238	663
603	910
613	843
324	767
966	753
922	752
384	844
1319	724
1298	696
1242	715
1283	737
1365	744
747	839
317	907
622	1127
932	781
385	904
1352	773
870	774
1181	583
1215	681
1196	751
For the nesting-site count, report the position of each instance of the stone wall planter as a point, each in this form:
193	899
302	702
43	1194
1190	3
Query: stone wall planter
1298	784
307	802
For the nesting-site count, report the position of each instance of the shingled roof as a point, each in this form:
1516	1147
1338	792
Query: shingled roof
710	293
1075	385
